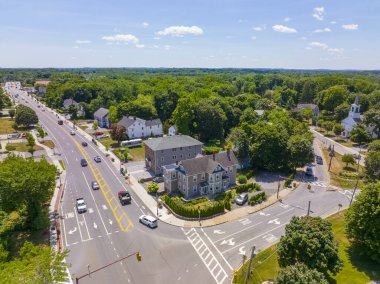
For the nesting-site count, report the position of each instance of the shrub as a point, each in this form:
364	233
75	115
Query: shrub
258	198
289	179
242	179
247	188
153	187
9	147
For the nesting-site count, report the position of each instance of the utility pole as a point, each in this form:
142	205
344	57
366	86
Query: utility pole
250	264
331	154
278	186
357	173
308	209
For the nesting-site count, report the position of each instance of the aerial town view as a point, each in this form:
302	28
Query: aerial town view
190	142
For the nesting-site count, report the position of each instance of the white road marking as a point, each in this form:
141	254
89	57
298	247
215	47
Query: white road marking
245	221
274	221
201	247
110	221
264	214
237	232
270	238
229	242
95	226
104	207
69	215
76	217
284	205
88	232
242	251
64	228
90	210
219	232
73	231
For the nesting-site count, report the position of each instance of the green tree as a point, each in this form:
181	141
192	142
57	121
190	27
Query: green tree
31	140
240	141
328	125
309	240
249	116
338	129
183	115
73	111
362	220
41	133
372	165
117	132
348	159
372	119
141	107
299	273
341	112
307	113
153	187
359	134
330	98
95	125
112	114
25	116
12	112
374	146
35	264
300	151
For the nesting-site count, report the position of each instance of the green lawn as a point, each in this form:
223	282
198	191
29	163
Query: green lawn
6	126
357	269
48	143
137	153
108	142
83	127
23	147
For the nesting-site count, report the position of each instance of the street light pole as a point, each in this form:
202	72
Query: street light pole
357	178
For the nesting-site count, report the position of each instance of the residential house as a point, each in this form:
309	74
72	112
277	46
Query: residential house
354	118
172	130
139	128
41	86
101	115
30	90
313	107
259	112
68	102
170	149
201	175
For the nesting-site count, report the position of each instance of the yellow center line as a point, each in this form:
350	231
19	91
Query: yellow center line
99	179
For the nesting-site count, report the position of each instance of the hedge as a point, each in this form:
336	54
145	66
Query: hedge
289	179
190	211
248	187
242	179
257	198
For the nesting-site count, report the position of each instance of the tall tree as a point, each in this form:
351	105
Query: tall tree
73	111
372	119
113	115
372	165
330	98
300	151
12	113
117	132
25	116
341	112
359	134
299	273
338	129
309	240
348	159
363	220
183	115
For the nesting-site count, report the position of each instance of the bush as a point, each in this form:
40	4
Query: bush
242	179
9	147
247	188
153	187
176	205
258	198
289	179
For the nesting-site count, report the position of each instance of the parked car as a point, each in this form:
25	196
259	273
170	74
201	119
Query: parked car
241	199
95	185
98	133
148	220
60	122
23	135
83	162
13	135
309	171
319	160
97	159
158	179
81	205
124	197
72	132
84	144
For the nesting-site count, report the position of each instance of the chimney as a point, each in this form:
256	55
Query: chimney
176	162
228	154
213	156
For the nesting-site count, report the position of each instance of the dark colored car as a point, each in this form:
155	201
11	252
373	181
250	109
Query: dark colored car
97	159
60	122
83	162
84	144
124	197
319	160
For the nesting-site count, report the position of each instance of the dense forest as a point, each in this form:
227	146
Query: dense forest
218	105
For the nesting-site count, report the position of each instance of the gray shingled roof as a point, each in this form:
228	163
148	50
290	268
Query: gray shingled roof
169	142
153	122
311	106
68	102
226	159
126	121
102	112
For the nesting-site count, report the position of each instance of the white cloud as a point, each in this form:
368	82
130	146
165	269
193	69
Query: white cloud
140	45
283	29
335	50
79	41
75	47
180	31
155	46
350	27
260	28
303	38
319	13
319	45
157	38
287	19
125	38
333	22
253	38
167	47
325	30
145	24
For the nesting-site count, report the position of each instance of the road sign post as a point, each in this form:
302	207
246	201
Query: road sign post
250	264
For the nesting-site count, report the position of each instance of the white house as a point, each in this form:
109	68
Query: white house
101	115
68	102
140	128
172	130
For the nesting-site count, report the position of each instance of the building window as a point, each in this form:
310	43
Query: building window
173	175
179	186
180	148
217	187
181	156
195	153
174	149
162	159
194	178
188	155
174	157
231	170
210	178
195	188
162	151
217	176
203	176
184	178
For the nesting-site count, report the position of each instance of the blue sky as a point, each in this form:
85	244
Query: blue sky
334	34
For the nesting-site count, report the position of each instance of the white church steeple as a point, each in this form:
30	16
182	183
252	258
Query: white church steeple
355	109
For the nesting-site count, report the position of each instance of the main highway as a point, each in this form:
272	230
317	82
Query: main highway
107	232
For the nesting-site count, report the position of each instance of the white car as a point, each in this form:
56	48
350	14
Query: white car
81	205
148	220
72	132
97	159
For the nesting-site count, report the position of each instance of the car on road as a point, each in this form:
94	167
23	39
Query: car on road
95	185
72	132
124	197
319	160
84	144
241	199
309	171
13	135
148	220
97	159
356	156
43	109
60	122
83	162
81	205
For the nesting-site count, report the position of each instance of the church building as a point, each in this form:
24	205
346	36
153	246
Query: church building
353	118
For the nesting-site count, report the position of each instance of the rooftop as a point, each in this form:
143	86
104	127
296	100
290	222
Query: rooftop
169	142
101	112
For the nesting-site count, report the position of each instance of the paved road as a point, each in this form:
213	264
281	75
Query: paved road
108	231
